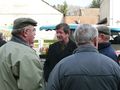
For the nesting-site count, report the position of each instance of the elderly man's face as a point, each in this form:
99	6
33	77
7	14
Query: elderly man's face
30	34
102	38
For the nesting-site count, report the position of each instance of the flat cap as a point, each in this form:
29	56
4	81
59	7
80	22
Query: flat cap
22	22
104	29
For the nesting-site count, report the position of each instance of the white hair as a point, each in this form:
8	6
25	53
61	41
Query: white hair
85	33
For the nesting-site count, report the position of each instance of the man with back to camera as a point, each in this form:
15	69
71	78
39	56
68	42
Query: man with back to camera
60	49
86	69
104	46
20	67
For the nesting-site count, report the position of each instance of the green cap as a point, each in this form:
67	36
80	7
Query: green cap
22	22
104	29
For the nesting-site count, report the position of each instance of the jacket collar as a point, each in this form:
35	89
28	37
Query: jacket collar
86	48
18	40
103	45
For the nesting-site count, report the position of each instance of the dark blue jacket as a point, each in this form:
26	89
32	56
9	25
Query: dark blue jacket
108	50
87	69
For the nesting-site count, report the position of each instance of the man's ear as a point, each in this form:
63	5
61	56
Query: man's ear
24	33
102	36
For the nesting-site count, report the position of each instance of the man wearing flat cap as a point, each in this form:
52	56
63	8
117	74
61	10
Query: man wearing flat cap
104	45
20	67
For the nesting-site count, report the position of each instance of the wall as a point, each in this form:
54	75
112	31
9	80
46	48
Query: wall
82	19
105	10
110	9
37	9
85	17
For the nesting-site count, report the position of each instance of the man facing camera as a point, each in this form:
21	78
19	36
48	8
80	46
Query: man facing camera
60	49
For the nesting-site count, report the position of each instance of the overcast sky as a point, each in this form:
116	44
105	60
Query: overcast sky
81	3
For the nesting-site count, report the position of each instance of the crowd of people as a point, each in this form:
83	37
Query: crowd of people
87	63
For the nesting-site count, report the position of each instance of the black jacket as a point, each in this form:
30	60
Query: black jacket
87	69
56	52
2	42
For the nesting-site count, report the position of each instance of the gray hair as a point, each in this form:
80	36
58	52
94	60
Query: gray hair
85	33
18	31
